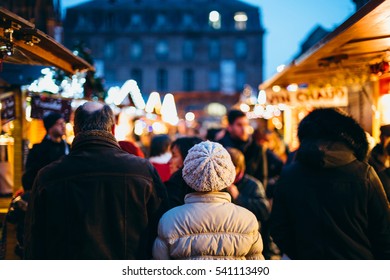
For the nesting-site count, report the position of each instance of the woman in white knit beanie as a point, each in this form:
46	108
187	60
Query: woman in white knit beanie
208	225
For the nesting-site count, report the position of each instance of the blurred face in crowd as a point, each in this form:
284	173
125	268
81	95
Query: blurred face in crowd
58	129
176	161
240	129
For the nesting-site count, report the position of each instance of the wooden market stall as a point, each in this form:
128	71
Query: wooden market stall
22	44
348	68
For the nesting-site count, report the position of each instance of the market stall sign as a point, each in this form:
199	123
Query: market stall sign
7	108
41	104
321	97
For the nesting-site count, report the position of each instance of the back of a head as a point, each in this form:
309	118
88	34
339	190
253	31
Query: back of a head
233	115
334	125
159	145
50	119
93	116
238	158
184	144
208	167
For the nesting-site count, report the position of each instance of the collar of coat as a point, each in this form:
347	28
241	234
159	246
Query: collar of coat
207	197
99	137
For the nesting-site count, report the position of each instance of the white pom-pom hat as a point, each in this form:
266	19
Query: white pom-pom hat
208	167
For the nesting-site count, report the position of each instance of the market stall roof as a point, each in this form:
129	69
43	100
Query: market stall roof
22	43
361	41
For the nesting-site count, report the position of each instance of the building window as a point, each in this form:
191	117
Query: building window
187	20
240	19
188	49
162	49
136	75
240	80
161	20
110	21
214	49
240	48
136	20
215	20
188	80
135	50
109	50
162	80
214	80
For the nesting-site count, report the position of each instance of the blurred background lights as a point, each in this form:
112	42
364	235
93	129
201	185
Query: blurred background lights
262	98
190	116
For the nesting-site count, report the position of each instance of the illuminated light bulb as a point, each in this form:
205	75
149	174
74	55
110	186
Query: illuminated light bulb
262	97
259	110
244	107
280	68
154	102
130	87
270	108
240	16
190	116
214	16
276	88
292	87
168	110
282	107
159	128
139	127
277	112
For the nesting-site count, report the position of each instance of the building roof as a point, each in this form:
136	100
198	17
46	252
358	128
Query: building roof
347	52
28	45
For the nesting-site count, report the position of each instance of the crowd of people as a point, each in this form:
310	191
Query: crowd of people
234	195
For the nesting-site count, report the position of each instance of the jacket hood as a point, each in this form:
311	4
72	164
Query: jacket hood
323	154
333	125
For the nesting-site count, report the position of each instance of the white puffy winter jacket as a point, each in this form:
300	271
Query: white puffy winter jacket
208	226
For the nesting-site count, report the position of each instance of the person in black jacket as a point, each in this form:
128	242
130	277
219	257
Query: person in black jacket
98	202
249	193
329	203
384	175
52	147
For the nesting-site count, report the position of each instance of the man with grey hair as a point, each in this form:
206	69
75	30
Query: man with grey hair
99	202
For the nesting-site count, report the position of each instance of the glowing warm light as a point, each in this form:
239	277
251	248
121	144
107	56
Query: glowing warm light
153	103
70	87
280	68
240	16
385	104
28	113
277	123
276	88
139	127
190	116
168	110
301	115
259	110
262	98
159	128
282	107
270	108
244	107
214	16
129	87
45	83
292	87
216	109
